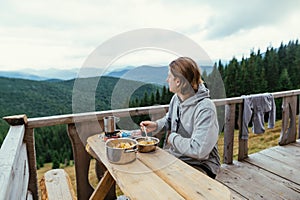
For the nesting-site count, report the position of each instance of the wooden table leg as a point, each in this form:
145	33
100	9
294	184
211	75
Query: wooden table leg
103	187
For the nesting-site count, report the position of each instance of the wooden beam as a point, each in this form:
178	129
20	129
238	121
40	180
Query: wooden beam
229	133
93	116
14	173
98	115
243	143
82	164
103	187
16	120
299	118
30	147
288	129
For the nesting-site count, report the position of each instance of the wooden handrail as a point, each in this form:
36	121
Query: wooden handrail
91	116
98	115
237	100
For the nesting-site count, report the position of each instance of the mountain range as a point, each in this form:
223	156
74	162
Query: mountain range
145	73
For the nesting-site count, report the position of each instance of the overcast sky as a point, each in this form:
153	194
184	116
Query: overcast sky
62	33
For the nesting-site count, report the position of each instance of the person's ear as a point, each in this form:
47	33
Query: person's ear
177	82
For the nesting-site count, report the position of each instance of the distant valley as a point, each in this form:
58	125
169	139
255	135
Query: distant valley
144	73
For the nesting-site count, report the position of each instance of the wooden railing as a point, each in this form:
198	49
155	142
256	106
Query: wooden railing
18	175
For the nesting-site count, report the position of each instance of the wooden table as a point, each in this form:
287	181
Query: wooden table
155	175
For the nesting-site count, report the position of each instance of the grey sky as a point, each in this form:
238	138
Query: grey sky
61	34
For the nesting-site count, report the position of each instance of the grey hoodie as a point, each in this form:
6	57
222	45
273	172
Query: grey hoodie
195	140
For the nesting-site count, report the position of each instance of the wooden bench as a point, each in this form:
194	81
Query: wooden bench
56	184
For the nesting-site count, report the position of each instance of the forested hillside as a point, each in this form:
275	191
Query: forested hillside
275	69
46	98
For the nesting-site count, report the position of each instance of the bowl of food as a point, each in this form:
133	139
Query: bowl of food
147	144
121	150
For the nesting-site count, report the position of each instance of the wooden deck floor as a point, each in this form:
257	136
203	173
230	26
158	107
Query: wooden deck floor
273	173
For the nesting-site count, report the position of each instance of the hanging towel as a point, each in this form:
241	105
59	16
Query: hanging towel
256	106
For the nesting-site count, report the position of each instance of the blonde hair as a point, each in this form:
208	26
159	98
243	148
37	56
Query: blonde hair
188	72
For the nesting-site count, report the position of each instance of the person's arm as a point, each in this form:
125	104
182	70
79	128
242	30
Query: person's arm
158	125
203	139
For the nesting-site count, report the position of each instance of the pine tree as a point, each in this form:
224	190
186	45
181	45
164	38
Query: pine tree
145	100
221	69
55	160
284	80
215	84
204	76
164	96
271	63
296	74
231	79
152	99
157	97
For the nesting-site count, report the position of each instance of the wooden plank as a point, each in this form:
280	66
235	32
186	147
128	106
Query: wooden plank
290	152
84	117
297	143
243	143
16	120
255	183
276	166
288	129
58	185
237	196
236	100
20	176
286	93
134	179
9	155
229	133
30	145
186	180
226	101
288	156
82	164
103	187
29	196
93	116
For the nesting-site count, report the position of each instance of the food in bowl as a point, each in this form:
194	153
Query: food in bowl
147	144
121	150
124	145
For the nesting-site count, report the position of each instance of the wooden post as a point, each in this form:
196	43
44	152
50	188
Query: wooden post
299	117
288	129
103	187
243	143
30	146
100	171
229	133
28	139
82	164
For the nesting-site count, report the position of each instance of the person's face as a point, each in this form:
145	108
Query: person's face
173	82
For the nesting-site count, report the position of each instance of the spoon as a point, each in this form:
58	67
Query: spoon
145	130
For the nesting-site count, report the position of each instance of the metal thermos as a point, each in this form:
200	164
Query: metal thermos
110	124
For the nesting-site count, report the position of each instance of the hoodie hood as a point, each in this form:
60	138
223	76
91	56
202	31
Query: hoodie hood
202	93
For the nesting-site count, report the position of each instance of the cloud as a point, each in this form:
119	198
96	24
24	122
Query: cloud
63	33
230	18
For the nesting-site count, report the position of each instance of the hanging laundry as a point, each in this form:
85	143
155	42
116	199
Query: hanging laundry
255	108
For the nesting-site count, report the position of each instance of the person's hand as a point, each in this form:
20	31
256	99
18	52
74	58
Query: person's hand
149	125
